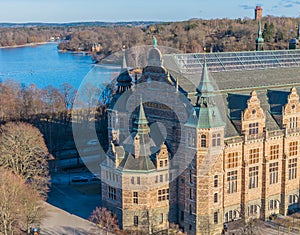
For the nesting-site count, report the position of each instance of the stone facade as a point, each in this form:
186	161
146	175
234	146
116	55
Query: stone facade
251	172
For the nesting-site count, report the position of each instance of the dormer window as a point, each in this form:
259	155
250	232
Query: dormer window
253	128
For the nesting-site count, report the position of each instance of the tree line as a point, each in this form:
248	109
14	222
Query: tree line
187	36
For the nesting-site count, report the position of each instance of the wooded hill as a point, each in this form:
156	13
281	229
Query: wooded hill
187	36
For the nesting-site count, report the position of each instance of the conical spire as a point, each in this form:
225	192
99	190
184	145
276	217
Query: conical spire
124	64
205	88
141	122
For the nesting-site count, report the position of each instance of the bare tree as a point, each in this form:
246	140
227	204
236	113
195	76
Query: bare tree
24	152
20	205
104	219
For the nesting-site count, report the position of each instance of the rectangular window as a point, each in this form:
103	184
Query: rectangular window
135	220
252	210
253	177
203	141
254	156
216	181
135	198
292	199
292	166
232	182
274	152
232	160
191	193
293	147
138	180
215	217
161	218
253	128
273	170
215	197
112	193
161	164
293	123
163	194
216	140
191	176
161	178
132	180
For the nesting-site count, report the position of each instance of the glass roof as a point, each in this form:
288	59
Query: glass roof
236	61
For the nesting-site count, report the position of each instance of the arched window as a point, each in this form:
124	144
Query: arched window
203	141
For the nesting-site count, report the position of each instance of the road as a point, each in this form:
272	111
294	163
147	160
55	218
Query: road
68	209
60	222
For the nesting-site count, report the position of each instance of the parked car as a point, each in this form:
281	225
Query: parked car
92	142
95	178
79	179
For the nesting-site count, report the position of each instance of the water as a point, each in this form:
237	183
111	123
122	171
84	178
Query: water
43	65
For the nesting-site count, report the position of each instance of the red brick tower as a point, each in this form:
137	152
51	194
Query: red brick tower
258	13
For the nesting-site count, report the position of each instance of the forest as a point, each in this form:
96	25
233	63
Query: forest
216	35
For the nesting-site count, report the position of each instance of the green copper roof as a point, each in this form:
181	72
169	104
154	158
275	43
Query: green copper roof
259	37
141	122
206	113
205	87
205	117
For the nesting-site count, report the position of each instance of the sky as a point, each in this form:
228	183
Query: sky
64	11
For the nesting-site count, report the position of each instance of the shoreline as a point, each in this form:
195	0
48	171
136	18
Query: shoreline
25	45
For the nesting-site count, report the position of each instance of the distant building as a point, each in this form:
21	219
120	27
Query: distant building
294	42
258	13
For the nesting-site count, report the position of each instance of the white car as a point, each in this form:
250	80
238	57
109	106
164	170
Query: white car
92	142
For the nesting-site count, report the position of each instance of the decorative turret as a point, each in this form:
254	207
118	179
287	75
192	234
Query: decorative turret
155	56
124	79
259	40
206	113
141	122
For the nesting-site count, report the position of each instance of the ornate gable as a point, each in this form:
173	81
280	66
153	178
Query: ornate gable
253	117
291	111
162	157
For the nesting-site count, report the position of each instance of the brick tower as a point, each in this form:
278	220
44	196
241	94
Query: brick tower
258	13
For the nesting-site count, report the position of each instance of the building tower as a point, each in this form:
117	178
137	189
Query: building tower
259	40
258	13
200	208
